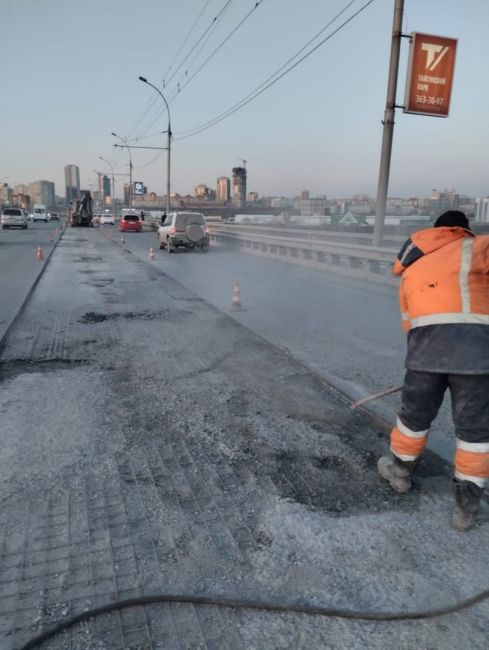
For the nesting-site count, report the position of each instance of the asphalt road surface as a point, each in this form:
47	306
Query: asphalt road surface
150	443
19	267
347	331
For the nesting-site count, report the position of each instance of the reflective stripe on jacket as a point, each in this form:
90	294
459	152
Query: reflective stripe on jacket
444	278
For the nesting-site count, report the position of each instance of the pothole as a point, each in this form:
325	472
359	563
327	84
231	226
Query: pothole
97	317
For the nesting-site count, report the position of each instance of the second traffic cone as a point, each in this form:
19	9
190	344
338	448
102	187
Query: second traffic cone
151	253
51	237
236	302
39	253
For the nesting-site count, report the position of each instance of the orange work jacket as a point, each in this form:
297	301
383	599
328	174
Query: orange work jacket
444	278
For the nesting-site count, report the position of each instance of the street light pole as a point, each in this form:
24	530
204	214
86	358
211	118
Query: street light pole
130	166
168	143
113	183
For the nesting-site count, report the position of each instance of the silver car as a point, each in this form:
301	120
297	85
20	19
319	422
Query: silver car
184	229
13	218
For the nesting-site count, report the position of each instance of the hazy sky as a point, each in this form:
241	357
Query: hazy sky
70	76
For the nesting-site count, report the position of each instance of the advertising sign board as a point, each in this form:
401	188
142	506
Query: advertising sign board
138	188
430	74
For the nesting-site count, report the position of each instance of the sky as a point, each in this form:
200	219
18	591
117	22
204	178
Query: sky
70	73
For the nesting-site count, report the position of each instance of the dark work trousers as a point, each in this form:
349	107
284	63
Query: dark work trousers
423	393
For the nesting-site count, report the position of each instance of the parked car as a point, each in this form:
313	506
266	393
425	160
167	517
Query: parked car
53	216
130	222
107	219
13	218
184	229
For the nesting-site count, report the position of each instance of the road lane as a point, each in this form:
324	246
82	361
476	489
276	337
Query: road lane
151	444
347	331
19	267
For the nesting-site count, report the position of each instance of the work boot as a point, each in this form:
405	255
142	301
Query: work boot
467	500
397	472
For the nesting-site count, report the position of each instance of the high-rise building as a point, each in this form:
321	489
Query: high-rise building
223	193
42	192
105	186
239	187
482	209
72	182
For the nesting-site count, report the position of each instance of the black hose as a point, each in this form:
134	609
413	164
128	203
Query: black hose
309	610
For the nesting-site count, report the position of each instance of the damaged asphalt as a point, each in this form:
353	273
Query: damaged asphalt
150	444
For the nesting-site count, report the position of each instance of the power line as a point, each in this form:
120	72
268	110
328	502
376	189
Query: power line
150	103
210	27
259	90
214	21
257	4
184	42
158	155
223	42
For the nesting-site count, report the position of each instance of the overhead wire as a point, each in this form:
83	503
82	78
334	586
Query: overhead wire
185	40
213	23
214	52
275	77
150	103
206	32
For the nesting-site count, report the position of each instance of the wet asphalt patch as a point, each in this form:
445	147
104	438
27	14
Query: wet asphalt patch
98	317
14	368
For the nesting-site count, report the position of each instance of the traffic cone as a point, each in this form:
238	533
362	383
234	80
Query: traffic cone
151	253
51	237
122	239
236	302
39	254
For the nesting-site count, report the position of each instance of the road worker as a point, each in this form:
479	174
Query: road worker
444	299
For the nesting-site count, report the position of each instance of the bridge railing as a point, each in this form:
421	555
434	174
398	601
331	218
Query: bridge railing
364	262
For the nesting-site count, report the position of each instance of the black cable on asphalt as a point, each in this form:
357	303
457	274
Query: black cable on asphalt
217	601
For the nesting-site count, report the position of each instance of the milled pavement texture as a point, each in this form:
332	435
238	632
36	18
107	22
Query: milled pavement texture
150	444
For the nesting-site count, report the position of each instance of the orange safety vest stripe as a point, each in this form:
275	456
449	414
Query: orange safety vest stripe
406	446
472	463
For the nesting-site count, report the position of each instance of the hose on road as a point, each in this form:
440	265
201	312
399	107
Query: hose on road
309	610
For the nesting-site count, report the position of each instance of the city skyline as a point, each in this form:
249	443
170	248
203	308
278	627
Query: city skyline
319	127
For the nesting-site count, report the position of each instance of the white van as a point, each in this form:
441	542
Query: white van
39	212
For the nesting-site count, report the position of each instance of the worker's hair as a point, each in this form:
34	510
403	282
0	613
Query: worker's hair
452	218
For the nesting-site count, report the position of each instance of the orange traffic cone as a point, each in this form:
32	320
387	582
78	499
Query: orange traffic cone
39	254
151	253
236	302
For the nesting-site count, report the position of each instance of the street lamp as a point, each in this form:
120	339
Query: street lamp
168	143
113	182
130	166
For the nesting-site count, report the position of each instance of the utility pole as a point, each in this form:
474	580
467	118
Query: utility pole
168	142
130	165
388	133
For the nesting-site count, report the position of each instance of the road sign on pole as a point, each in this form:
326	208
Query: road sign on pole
430	75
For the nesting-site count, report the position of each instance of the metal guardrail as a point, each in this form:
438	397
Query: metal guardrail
393	242
352	260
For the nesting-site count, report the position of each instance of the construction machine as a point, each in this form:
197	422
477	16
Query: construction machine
81	213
